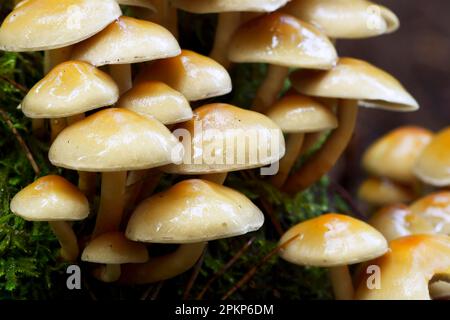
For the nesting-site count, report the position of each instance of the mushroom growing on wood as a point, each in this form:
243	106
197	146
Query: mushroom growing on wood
53	199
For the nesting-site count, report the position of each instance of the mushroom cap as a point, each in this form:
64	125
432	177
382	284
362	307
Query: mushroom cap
433	165
127	40
396	221
332	240
193	211
50	198
224	138
214	6
434	208
355	79
407	268
36	25
296	113
380	192
114	248
282	40
157	100
345	19
197	77
393	155
114	140
71	88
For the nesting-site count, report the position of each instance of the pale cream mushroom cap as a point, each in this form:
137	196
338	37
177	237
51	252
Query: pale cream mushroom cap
114	140
36	25
435	209
213	6
50	198
71	88
193	211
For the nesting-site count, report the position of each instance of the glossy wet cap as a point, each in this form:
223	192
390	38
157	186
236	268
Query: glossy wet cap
282	40
36	25
357	80
433	165
348	19
114	140
114	248
394	154
127	40
435	209
197	77
332	240
407	268
157	100
50	198
193	211
296	113
212	6
222	138
380	192
71	88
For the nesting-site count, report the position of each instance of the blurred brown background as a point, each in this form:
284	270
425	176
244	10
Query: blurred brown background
418	54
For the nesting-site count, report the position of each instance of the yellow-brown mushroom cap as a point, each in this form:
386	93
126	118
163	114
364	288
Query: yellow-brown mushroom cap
50	198
114	248
434	208
193	211
393	155
282	40
212	6
350	19
36	25
70	88
332	240
357	80
114	140
407	268
223	138
157	100
380	192
433	165
197	77
127	40
295	113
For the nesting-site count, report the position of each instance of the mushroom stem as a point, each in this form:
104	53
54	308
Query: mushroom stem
164	267
87	183
72	119
167	16
271	87
293	149
227	24
107	273
323	160
56	126
121	73
112	202
67	239
218	178
311	139
342	283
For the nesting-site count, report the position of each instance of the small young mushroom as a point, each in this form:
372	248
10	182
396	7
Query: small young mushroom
380	192
296	115
125	41
333	241
197	77
351	81
53	199
283	42
433	165
113	249
229	18
190	213
407	269
113	141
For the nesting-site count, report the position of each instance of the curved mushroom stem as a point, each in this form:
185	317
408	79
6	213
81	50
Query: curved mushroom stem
271	87
310	140
112	202
227	24
322	161
67	239
166	15
218	178
121	73
164	267
293	149
342	283
107	273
